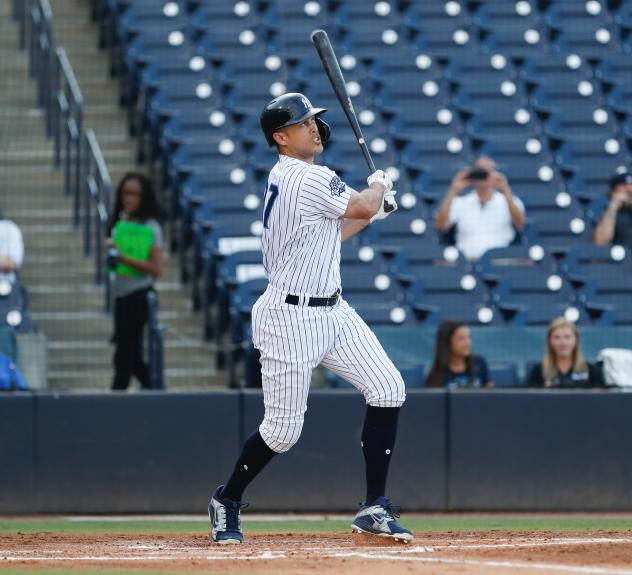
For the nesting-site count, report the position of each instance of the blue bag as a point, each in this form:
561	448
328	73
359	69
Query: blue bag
10	376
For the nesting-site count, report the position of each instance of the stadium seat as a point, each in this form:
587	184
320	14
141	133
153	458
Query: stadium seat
446	33
499	263
289	24
230	272
589	164
240	313
194	126
601	277
441	292
239	43
533	295
436	153
411	230
512	35
407	118
411	263
368	283
574	28
222	15
560	230
504	374
344	157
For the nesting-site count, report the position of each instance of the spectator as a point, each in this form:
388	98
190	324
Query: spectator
486	217
135	253
454	366
615	225
11	249
563	364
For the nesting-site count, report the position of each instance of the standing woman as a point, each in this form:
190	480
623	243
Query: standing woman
454	366
135	241
563	364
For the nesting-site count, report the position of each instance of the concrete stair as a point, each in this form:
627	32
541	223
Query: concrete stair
64	299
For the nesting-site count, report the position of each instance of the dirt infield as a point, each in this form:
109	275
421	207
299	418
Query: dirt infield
470	553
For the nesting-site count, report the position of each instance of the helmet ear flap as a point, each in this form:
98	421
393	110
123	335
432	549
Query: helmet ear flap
324	130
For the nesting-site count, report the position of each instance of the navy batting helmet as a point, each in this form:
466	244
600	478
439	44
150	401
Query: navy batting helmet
288	110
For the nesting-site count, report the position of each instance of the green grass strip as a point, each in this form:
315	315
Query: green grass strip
428	524
97	571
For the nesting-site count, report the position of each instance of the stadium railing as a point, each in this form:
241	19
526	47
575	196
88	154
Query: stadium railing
155	340
69	105
41	52
96	207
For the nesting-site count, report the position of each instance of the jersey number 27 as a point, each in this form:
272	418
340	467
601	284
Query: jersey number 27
271	195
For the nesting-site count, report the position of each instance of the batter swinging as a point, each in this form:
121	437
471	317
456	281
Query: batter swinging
302	320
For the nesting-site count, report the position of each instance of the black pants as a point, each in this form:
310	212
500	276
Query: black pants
130	317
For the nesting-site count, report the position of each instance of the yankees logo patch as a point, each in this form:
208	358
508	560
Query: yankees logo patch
336	186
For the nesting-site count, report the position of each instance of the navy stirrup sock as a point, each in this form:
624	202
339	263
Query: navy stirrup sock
378	439
255	455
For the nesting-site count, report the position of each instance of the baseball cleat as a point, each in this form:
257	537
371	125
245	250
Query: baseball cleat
380	519
225	519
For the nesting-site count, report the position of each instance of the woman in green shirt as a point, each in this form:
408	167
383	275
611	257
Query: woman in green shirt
135	253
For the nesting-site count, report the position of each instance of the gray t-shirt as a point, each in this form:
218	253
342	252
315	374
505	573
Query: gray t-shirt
123	285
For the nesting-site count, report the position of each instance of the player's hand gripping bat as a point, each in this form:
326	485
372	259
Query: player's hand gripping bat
334	73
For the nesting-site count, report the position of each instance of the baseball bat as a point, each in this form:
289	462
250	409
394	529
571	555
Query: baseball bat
336	79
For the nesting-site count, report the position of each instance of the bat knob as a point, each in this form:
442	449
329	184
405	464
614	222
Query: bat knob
388	207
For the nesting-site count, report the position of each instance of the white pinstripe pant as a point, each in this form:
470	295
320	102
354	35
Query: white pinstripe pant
293	340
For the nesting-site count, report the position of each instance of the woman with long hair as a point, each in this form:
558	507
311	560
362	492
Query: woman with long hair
454	365
563	364
134	243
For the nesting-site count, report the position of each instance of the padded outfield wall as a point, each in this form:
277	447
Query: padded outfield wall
466	450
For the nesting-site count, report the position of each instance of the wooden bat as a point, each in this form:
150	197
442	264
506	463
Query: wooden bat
334	73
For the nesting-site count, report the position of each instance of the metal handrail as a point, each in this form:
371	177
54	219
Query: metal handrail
21	11
155	344
41	48
96	207
58	94
69	105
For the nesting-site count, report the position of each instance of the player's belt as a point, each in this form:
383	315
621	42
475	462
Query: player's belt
314	301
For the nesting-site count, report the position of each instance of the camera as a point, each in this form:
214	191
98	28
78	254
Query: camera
112	258
478	174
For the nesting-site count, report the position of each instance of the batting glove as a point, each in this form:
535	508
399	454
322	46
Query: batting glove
389	197
380	177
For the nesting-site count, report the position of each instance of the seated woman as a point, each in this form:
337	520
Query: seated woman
454	366
563	364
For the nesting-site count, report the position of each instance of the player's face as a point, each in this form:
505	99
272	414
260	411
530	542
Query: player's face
302	140
563	342
461	342
131	195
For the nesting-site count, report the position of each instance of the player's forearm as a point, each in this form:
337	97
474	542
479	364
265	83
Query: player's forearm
372	197
352	227
364	205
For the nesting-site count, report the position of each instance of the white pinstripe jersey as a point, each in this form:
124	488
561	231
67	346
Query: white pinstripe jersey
302	214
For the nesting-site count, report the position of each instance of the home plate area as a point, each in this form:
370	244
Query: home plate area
496	553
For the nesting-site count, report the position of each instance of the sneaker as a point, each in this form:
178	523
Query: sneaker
380	519
225	520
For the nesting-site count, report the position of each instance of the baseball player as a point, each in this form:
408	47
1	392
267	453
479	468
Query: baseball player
302	320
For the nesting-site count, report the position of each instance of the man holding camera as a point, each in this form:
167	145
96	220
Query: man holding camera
486	217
